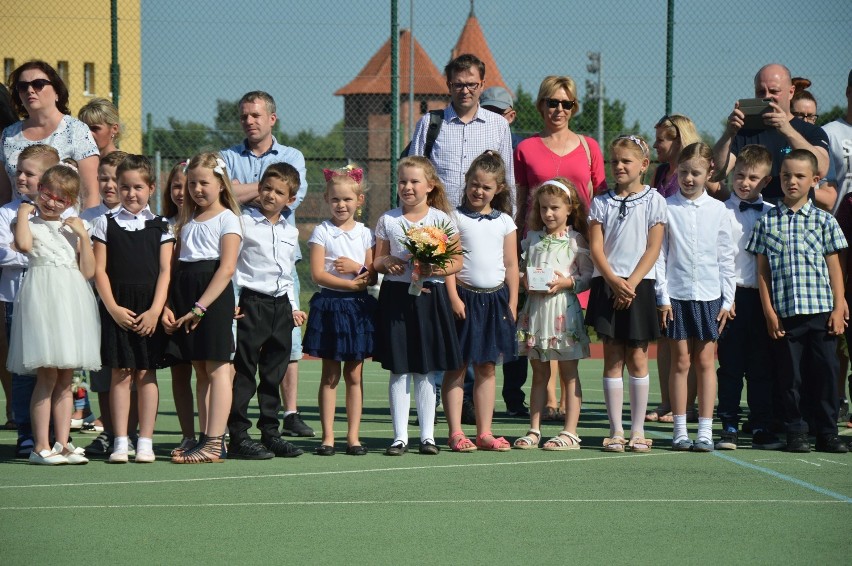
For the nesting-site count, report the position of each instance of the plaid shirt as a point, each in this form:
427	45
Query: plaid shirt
796	243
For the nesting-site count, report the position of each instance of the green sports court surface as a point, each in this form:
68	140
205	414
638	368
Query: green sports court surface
578	507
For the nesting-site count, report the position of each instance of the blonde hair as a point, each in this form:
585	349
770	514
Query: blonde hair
577	217
100	111
551	84
63	178
679	128
698	150
45	153
210	161
437	197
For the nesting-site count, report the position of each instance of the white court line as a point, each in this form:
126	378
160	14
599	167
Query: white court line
341	472
418	502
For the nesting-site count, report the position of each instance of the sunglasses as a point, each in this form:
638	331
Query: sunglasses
665	122
37	84
47	196
554	103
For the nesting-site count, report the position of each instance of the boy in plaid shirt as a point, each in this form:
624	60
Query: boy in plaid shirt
801	290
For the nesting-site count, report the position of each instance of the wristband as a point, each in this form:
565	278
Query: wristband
201	307
196	312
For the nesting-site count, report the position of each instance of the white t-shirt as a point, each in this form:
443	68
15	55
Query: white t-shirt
840	153
625	224
338	243
72	138
392	226
483	238
200	241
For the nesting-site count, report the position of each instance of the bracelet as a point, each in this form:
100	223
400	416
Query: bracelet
201	307
196	312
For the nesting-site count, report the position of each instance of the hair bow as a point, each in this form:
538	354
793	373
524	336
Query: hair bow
354	173
220	167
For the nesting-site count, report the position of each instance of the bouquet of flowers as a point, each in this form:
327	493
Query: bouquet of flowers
429	244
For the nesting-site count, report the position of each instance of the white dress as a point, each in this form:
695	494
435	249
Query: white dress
55	322
551	327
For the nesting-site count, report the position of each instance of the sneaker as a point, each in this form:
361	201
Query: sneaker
47	458
145	457
766	440
521	412
248	449
72	454
295	426
91	428
118	457
727	440
798	442
682	445
281	448
101	446
704	445
843	412
76	424
24	446
468	415
831	443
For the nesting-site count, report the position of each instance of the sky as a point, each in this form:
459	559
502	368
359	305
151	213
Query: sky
195	52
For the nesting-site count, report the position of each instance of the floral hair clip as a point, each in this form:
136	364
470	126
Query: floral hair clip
638	141
354	173
68	165
220	167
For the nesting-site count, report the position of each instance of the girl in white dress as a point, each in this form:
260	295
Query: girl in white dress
550	326
62	327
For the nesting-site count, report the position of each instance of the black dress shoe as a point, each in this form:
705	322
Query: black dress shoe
398	448
429	448
325	450
282	448
831	443
359	450
248	449
798	442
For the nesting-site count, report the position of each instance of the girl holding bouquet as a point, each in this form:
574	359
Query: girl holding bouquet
417	246
484	297
557	266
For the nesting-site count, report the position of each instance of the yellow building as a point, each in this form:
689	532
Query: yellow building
74	36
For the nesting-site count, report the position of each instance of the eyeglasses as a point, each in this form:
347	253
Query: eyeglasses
471	87
37	84
47	196
554	103
665	122
806	117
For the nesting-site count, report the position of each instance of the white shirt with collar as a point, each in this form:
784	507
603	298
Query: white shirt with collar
742	225
126	220
696	261
90	214
268	257
338	243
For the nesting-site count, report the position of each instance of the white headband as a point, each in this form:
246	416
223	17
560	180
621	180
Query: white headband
558	185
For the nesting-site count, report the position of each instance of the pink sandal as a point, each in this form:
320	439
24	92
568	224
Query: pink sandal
458	442
496	444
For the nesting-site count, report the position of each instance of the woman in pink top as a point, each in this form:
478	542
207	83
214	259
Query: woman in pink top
557	151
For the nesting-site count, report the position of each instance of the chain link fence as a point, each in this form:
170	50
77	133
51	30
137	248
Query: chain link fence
182	66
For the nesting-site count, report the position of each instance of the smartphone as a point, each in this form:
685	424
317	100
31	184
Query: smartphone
754	109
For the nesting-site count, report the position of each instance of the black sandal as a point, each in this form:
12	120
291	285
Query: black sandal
209	450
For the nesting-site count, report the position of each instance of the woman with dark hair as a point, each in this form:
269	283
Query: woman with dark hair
41	98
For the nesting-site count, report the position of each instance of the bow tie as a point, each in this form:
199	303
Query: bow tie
758	206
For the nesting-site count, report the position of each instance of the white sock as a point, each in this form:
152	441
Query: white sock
614	395
120	444
424	398
288	413
679	430
638	404
705	428
399	394
144	444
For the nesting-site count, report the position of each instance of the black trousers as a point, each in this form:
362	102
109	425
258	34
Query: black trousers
807	368
744	350
264	339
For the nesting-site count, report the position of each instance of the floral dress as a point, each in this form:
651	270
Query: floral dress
551	327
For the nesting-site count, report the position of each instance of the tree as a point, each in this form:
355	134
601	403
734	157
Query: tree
181	140
831	115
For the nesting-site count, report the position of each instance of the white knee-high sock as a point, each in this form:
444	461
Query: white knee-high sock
638	404
424	398
399	394
614	396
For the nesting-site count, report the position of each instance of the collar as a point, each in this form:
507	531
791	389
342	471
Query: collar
736	200
273	149
258	217
478	215
630	197
450	114
701	200
336	231
806	210
121	212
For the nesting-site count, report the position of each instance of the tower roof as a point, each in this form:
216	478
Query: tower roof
472	40
374	78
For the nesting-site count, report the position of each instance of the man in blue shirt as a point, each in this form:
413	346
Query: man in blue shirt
246	163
